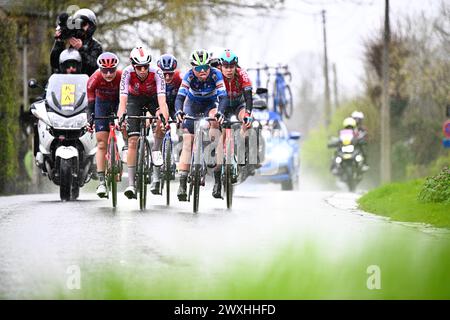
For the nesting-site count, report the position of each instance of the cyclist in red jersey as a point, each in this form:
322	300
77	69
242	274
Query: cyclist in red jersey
142	85
103	98
239	103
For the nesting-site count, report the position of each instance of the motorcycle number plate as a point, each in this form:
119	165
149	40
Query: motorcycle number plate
67	94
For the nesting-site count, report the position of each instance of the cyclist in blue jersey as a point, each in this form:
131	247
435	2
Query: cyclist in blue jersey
202	87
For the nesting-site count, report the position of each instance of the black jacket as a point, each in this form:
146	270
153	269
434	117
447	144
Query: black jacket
89	52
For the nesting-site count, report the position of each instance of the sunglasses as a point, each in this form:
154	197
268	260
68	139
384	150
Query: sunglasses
142	68
228	65
108	70
204	67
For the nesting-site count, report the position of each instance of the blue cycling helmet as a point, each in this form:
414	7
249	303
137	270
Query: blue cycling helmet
167	62
229	57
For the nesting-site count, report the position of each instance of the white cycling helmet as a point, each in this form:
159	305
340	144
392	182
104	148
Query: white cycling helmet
357	115
140	56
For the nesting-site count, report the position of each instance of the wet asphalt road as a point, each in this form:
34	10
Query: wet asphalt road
41	236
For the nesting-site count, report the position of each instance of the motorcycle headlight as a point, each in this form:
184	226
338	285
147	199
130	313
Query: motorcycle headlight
75	122
348	149
359	158
338	160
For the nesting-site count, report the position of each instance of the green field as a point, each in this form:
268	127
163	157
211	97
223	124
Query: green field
399	202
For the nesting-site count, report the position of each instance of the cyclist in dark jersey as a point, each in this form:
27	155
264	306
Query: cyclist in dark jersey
103	98
202	87
142	85
168	64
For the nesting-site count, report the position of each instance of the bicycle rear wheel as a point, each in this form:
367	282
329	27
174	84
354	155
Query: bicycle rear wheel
288	108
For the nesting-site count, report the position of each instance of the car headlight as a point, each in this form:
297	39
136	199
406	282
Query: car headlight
281	154
75	122
348	149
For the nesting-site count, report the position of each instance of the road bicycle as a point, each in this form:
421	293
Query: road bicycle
197	172
169	167
144	162
282	95
114	168
230	169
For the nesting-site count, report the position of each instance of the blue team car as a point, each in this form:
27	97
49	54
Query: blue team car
281	161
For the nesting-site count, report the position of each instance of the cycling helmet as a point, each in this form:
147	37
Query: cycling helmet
349	122
87	16
229	57
200	57
167	62
140	56
107	60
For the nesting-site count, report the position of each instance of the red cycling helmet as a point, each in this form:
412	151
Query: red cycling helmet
107	60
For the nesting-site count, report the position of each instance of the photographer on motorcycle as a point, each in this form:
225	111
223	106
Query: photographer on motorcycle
361	136
79	39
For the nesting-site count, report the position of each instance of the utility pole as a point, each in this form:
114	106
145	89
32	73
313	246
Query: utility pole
335	88
385	107
325	72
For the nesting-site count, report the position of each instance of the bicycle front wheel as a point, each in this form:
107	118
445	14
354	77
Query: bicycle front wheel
229	185
142	171
167	169
113	170
196	176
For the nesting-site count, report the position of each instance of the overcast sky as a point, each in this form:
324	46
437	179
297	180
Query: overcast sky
296	33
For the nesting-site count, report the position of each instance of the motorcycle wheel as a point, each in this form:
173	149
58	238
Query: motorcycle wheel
65	176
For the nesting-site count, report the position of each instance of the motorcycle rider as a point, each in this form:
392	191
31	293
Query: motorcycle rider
200	89
70	61
361	134
88	47
103	98
142	85
348	124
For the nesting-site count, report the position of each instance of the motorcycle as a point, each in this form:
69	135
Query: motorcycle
66	149
348	160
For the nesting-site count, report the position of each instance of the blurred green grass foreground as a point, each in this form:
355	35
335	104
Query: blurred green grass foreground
385	269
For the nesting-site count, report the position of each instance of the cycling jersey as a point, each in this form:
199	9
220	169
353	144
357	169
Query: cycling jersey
236	87
154	84
98	87
201	91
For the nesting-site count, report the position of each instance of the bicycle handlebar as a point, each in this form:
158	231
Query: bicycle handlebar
200	118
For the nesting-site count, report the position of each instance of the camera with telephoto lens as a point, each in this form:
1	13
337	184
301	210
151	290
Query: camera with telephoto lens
67	32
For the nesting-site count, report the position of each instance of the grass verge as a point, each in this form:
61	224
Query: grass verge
399	202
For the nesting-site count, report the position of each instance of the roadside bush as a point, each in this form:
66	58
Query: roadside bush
437	188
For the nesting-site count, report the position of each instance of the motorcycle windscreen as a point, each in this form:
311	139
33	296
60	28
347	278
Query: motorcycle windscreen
67	93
